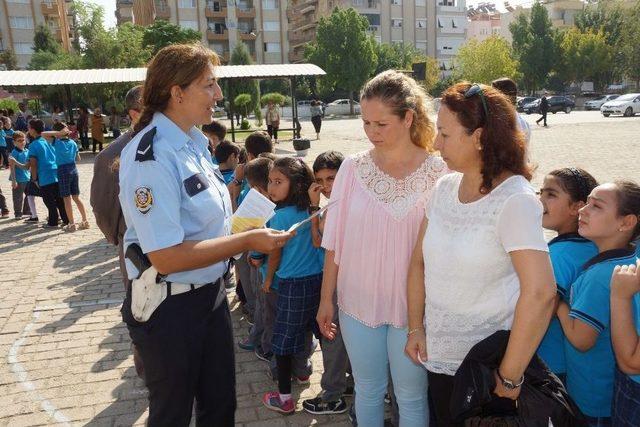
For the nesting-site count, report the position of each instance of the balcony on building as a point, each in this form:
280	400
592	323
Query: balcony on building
304	24
216	9
218	34
296	56
297	39
245	9
49	7
124	3
163	10
247	34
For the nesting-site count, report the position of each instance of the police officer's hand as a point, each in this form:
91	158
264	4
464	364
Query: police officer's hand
266	240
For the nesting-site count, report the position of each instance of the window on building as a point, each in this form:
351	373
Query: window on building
453	24
272	47
189	24
269	4
421	23
357	2
19	1
421	3
421	45
271	26
53	24
187	4
446	2
397	2
396	23
374	28
374	18
21	48
440	23
21	22
372	4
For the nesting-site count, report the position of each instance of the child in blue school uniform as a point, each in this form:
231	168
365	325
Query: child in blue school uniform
8	131
298	270
227	155
606	220
19	177
564	192
625	325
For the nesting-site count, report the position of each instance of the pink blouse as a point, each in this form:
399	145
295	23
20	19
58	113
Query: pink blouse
373	229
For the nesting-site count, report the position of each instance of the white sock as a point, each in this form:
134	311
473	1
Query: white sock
284	397
32	206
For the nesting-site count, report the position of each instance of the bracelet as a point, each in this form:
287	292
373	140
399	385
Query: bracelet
414	330
507	383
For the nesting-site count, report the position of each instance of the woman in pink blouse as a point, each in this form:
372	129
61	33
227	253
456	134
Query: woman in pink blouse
369	236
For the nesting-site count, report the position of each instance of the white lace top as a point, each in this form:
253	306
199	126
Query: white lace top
471	285
373	230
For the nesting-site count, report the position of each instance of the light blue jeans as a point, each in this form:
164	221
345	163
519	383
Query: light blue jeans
372	351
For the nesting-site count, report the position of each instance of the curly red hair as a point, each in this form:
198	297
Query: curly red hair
503	143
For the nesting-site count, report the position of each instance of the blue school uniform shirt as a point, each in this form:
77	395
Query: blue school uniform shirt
299	257
3	140
228	175
590	374
636	309
569	253
66	151
9	135
22	156
42	151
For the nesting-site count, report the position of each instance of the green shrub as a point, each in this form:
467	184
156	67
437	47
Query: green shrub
5	104
276	98
242	103
244	125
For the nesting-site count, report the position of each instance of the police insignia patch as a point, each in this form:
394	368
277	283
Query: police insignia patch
144	199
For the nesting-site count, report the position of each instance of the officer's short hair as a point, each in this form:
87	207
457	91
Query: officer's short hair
37	125
257	172
215	128
328	160
507	86
258	142
133	98
226	149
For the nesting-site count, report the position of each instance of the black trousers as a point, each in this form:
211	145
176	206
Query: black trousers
272	131
317	123
54	203
187	352
98	143
84	139
543	117
440	391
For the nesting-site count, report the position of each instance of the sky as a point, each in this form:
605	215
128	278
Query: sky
109	11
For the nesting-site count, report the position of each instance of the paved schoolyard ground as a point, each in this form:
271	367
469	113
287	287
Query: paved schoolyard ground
65	353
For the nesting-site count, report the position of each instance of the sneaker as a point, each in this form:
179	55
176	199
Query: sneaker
266	357
246	345
303	380
249	319
33	219
317	406
5	214
272	401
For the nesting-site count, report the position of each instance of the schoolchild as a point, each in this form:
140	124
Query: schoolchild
215	133
298	270
586	319
19	177
625	323
226	154
564	192
334	380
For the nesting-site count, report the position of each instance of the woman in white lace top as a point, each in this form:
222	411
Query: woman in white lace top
481	263
369	235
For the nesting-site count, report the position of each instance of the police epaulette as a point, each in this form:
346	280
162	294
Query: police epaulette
144	151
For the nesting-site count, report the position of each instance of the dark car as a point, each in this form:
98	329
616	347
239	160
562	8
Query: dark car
556	103
521	102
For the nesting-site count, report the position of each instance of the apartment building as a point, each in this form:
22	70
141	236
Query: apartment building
19	18
484	21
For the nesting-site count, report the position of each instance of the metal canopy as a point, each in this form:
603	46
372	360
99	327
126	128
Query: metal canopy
121	75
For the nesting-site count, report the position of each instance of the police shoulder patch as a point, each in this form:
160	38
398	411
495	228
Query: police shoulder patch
144	199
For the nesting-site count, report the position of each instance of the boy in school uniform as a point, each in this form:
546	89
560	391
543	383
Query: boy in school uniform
215	132
227	155
19	176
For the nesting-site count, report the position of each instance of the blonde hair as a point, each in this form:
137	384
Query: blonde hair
174	65
402	93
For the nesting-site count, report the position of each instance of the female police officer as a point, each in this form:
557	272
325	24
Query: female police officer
177	210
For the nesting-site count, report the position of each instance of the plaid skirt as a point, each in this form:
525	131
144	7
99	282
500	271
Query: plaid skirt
68	184
297	307
626	401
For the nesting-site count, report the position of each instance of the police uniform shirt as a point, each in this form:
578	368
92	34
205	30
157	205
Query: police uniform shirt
590	374
569	253
170	192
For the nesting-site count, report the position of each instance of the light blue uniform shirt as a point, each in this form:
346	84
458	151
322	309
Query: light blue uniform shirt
43	152
569	253
8	133
22	156
299	257
176	197
3	140
590	374
66	151
636	308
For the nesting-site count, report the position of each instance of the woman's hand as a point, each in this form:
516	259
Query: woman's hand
502	391
265	240
266	286
314	193
416	347
325	320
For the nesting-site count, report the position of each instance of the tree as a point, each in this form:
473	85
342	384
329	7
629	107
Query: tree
485	61
43	40
163	33
533	45
395	56
630	45
344	50
585	56
242	56
8	59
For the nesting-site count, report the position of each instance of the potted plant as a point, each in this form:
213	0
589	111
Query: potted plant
301	145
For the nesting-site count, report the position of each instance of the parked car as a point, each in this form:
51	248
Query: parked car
522	101
627	105
556	103
341	107
596	103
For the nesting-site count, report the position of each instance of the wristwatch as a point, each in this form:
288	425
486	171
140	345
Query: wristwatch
313	209
507	383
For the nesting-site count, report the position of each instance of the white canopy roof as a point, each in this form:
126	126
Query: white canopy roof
121	75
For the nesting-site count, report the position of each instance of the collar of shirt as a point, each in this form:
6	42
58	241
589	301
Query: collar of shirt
176	136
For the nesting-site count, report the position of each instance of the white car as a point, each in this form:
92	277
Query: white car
627	105
596	103
341	107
